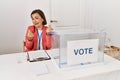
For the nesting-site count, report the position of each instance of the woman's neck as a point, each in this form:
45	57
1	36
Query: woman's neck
40	27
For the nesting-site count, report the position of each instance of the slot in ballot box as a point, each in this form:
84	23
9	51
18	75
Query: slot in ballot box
79	47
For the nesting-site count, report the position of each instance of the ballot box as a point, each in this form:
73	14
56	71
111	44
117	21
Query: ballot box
79	47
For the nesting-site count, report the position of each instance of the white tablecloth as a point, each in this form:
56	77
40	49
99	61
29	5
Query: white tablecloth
15	67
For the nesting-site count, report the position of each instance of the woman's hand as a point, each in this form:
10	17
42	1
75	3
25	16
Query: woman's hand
30	35
49	30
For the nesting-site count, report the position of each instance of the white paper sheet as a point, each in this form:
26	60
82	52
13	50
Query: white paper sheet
35	55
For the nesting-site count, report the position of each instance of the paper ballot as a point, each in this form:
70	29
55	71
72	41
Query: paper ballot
40	55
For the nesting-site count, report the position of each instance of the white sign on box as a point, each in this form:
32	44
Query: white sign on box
82	51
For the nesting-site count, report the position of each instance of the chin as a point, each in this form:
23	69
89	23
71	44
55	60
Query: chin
36	26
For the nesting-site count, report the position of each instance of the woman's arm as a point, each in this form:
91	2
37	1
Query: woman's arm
29	39
48	41
47	38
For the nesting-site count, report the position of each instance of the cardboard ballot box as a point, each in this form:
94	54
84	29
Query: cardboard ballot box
79	47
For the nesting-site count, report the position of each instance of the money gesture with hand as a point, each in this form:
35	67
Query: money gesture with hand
30	35
49	30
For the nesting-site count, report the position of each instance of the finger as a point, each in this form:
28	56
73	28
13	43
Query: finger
30	32
50	27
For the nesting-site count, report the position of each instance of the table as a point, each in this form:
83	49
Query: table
16	67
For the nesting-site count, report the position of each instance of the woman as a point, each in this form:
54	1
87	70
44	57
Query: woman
38	35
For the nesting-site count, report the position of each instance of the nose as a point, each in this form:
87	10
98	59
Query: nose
34	21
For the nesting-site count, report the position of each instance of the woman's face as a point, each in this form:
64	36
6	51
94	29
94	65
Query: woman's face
37	20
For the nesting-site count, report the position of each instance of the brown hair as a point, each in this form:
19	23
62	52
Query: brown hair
41	14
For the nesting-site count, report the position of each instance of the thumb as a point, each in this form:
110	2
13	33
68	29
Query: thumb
49	26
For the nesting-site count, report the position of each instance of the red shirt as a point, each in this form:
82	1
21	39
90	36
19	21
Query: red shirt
46	39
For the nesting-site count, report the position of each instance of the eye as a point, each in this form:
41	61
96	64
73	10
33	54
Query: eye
36	18
32	18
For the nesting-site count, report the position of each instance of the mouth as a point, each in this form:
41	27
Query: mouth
36	23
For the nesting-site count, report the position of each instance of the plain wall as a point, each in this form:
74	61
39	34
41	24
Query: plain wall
14	20
104	15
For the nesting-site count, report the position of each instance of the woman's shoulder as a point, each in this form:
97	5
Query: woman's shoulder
31	26
45	27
